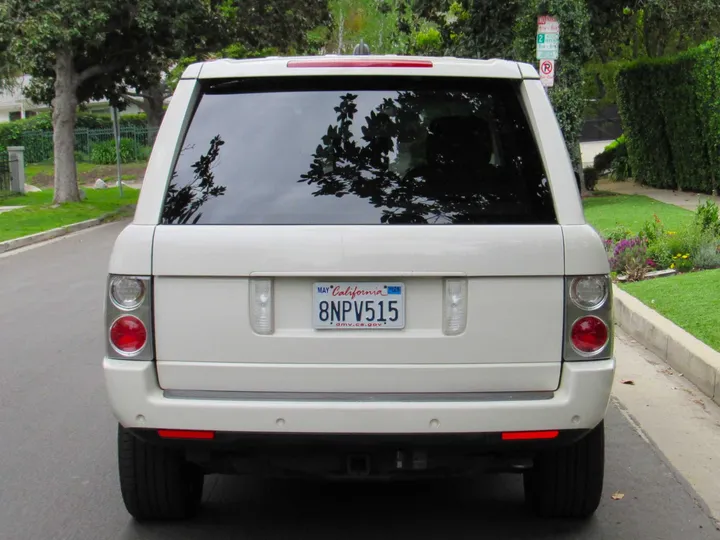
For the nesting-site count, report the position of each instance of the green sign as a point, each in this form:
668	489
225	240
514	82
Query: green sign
548	46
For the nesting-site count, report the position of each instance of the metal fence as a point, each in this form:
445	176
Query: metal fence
5	182
39	144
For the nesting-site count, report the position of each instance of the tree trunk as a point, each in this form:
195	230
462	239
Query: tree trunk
154	108
63	118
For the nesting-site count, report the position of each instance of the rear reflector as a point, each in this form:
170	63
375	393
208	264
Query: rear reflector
529	435
185	434
345	63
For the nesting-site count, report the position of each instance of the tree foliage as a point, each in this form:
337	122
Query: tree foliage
469	28
575	50
259	28
77	50
629	30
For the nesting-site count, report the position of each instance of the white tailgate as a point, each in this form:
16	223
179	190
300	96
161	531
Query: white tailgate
513	340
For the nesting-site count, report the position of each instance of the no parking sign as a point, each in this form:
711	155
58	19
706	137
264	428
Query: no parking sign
547	72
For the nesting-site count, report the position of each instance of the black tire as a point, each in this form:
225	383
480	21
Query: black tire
568	482
157	483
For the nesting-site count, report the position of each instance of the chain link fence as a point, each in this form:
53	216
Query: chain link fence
136	143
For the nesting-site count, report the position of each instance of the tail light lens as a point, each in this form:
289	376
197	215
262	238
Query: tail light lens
589	292
455	307
261	306
126	292
589	335
128	318
128	335
588	318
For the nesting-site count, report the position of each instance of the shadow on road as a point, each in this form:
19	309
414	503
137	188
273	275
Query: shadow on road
489	507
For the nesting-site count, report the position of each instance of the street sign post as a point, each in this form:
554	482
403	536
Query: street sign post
547	48
547	72
116	133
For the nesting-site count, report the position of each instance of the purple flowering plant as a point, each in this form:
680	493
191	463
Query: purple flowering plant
629	256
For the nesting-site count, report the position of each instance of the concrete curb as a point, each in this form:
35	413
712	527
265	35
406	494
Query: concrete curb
698	362
25	241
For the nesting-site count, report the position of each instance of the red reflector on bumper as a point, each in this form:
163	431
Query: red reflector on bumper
344	63
184	434
529	435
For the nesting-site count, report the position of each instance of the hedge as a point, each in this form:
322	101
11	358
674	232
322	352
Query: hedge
670	108
11	133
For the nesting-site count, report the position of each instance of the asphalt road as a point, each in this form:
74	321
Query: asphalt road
57	448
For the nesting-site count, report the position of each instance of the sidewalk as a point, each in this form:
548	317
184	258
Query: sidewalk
683	199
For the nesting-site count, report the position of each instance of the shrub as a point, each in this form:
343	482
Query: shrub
652	230
682	262
604	159
630	257
591	178
144	153
707	255
671	119
104	153
707	219
659	253
618	234
620	169
36	133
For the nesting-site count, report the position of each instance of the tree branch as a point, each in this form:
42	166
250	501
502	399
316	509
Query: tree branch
140	103
94	71
136	95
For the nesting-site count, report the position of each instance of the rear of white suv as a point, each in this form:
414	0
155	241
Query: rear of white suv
359	267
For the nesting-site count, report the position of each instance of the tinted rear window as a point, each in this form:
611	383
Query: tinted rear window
358	151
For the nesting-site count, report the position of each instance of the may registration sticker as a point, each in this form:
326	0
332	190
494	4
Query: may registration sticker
358	306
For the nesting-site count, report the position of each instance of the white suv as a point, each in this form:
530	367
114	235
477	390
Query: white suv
364	266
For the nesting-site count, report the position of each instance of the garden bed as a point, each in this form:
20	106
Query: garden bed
646	240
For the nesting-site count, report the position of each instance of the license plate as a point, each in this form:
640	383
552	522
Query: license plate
359	306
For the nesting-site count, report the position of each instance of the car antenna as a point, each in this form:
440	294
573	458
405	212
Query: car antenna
361	48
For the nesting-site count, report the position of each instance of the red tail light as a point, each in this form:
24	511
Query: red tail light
589	335
128	335
365	63
588	318
529	435
185	434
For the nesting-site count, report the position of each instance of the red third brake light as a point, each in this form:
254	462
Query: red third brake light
529	435
589	335
128	335
185	434
360	63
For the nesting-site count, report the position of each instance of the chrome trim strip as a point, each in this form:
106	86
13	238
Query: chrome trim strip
357	396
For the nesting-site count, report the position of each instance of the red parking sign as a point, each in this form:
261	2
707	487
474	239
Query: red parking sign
547	72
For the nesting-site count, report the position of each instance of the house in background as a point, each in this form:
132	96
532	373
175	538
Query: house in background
15	106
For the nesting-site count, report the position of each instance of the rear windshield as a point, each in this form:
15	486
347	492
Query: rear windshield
358	151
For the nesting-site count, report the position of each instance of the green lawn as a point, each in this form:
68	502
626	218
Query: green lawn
632	211
39	216
690	300
41	174
31	171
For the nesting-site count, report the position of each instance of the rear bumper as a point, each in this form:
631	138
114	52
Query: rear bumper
579	403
